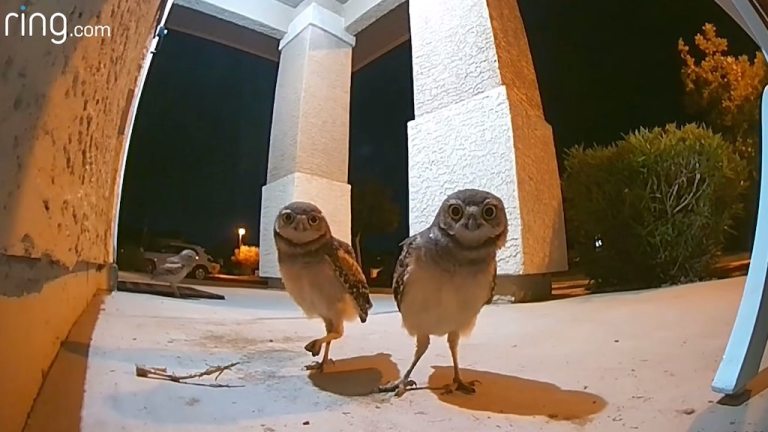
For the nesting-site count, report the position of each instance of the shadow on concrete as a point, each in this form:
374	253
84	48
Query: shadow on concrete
356	376
757	385
505	394
60	401
168	405
164	290
743	412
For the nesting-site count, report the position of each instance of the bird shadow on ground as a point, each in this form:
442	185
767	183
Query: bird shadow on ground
356	376
505	394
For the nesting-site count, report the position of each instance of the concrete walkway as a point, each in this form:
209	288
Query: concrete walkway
640	361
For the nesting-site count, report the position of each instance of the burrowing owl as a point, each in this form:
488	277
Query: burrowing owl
175	269
320	273
447	273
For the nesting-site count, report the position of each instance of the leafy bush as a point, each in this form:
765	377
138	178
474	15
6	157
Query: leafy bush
724	90
653	208
247	257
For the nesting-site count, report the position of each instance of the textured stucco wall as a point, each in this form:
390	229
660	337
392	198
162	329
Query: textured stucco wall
309	145
311	114
538	182
62	111
479	124
454	56
476	134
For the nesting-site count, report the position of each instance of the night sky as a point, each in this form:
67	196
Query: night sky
198	154
607	67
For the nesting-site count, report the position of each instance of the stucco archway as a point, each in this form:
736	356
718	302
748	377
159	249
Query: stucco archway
64	115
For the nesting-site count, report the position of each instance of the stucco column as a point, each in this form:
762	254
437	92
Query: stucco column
479	124
309	145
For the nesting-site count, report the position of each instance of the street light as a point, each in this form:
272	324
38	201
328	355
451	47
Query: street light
240	232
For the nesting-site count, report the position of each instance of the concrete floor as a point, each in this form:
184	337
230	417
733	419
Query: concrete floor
640	361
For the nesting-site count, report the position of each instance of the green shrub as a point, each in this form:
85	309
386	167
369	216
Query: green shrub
653	208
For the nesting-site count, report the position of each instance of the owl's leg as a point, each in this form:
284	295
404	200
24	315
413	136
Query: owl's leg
400	387
460	385
330	328
175	289
333	331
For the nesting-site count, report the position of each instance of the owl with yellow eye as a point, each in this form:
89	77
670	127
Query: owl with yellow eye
320	273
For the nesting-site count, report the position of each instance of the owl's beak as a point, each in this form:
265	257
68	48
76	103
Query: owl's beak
472	224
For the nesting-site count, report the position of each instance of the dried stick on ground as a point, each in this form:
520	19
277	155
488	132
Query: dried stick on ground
162	373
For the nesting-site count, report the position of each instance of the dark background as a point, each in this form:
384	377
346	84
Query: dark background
198	154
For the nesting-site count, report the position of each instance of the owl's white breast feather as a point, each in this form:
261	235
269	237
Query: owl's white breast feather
437	302
317	290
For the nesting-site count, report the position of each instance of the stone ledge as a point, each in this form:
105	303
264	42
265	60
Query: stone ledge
525	288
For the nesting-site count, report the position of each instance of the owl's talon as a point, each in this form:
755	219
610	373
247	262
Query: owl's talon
465	387
314	347
398	387
388	388
315	366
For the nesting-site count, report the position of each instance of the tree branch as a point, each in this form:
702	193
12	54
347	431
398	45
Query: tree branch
162	373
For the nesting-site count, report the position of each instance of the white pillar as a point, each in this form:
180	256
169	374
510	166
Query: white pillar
309	145
479	124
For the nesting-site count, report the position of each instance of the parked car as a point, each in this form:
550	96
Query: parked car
156	257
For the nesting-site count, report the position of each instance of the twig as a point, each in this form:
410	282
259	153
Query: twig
199	384
162	373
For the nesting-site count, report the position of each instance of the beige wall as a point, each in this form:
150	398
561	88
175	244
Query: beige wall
62	114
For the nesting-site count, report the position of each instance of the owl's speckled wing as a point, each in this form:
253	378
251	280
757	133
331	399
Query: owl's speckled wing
346	248
402	268
350	275
170	270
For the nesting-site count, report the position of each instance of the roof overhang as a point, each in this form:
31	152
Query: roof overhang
258	26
